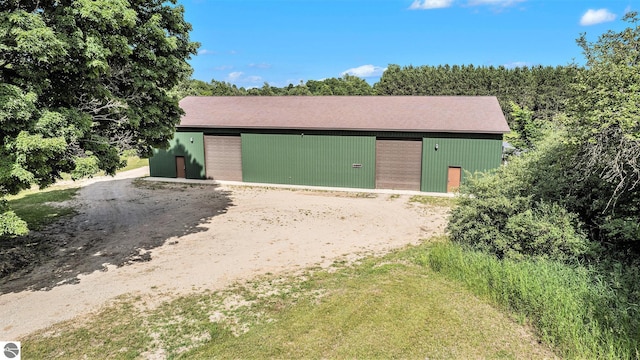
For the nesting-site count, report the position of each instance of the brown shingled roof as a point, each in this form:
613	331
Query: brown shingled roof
457	114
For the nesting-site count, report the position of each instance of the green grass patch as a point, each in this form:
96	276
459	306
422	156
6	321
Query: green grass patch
126	332
38	207
134	162
389	307
573	308
433	200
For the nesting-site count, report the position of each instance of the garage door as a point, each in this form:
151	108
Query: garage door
398	164
223	157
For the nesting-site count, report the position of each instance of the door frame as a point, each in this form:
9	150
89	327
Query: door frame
454	179
184	167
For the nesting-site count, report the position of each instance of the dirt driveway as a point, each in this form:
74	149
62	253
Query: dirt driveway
160	240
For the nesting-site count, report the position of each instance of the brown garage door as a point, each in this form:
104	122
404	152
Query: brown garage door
223	156
398	164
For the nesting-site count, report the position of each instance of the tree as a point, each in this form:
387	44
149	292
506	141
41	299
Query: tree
543	90
526	208
584	172
83	80
605	116
347	85
605	122
525	130
298	90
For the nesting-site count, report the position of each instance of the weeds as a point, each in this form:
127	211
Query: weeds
433	200
152	185
574	308
40	207
133	162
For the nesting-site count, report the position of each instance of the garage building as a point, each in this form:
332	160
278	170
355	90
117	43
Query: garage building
423	143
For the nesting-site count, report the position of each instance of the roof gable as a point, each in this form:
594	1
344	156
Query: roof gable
457	114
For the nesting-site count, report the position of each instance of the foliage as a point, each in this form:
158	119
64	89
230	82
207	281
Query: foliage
517	212
30	209
542	90
583	312
194	87
585	168
85	167
42	207
10	223
525	130
605	118
539	93
80	81
433	200
346	85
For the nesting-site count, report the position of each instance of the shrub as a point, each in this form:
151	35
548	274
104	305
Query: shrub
10	223
515	226
545	231
522	209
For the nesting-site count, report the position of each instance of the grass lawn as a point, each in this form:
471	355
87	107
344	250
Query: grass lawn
389	307
134	162
38	207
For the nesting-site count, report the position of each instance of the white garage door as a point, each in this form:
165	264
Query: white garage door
223	156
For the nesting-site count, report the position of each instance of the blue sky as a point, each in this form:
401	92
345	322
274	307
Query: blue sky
250	42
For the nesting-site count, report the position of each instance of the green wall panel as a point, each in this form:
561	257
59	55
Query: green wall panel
163	163
470	154
309	160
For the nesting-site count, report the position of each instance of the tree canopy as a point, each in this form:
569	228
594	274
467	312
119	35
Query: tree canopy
346	85
542	91
83	80
581	182
605	117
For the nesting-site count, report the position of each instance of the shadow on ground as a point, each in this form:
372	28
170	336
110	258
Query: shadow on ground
118	223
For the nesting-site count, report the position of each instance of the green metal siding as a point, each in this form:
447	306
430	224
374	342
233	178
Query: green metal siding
471	155
163	163
309	160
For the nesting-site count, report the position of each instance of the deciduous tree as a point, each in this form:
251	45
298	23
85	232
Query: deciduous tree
605	116
82	80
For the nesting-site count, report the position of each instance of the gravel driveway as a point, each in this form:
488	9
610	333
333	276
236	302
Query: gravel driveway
161	240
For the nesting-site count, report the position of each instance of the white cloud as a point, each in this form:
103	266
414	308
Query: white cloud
430	4
365	71
234	76
206	52
592	17
439	4
238	77
503	3
516	64
260	66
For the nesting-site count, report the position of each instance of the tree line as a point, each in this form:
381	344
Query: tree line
543	90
